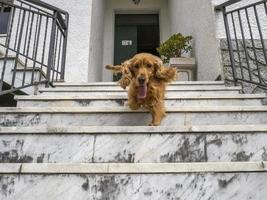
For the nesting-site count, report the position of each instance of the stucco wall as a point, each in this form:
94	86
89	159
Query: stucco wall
120	6
96	41
196	18
79	38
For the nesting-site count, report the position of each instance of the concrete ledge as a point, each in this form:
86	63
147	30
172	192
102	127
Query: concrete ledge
133	168
69	89
134	129
178	109
114	83
124	97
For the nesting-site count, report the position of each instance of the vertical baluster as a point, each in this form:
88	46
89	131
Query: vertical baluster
59	56
261	36
237	47
26	36
64	52
17	32
24	49
51	50
44	47
253	45
35	35
244	44
36	47
228	35
28	46
55	56
18	50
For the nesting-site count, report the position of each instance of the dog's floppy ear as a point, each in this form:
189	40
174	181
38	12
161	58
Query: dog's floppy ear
115	69
157	64
130	66
166	74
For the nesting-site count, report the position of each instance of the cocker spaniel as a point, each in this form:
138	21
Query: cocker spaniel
147	79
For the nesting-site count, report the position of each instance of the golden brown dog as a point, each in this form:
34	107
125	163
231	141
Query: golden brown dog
147	79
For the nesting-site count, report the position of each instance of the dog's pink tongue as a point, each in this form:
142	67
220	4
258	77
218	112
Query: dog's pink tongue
142	92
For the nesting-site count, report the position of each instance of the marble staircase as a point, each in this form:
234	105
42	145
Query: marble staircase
79	141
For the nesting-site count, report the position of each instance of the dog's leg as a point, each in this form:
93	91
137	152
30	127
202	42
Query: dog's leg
158	113
133	104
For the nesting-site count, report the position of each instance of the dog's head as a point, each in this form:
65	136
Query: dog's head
144	67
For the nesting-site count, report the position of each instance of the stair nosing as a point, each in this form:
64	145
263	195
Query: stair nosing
134	129
115	83
121	90
132	168
121	109
123	97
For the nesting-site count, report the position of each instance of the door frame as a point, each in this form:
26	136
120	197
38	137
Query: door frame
145	11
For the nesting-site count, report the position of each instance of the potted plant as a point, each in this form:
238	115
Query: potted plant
172	50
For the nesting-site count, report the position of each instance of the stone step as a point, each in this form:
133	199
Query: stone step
133	144
178	83
118	88
131	168
232	184
120	91
121	116
120	100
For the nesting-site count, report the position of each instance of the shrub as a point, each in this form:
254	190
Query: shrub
175	46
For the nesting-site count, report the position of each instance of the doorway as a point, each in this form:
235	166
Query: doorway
135	33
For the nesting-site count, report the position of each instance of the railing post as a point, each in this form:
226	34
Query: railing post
51	55
231	52
63	64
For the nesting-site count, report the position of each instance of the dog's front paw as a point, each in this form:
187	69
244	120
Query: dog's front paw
153	124
126	103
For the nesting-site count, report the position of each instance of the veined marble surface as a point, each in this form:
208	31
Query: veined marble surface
188	92
230	186
121	102
132	119
133	148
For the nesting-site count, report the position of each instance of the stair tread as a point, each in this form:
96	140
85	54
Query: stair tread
131	168
106	96
114	83
118	89
121	109
134	129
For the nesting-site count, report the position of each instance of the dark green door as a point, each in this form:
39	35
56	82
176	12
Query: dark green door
125	44
135	33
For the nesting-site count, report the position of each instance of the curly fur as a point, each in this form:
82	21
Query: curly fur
154	77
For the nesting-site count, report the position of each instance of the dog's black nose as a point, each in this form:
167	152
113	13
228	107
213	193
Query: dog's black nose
141	80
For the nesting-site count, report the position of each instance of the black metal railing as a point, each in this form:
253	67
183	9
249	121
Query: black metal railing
246	33
33	44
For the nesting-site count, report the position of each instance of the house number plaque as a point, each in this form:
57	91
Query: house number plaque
126	42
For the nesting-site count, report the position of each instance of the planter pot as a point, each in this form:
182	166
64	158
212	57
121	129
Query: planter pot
186	68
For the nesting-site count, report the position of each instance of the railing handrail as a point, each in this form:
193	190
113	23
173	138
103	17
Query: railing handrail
49	7
46	5
225	4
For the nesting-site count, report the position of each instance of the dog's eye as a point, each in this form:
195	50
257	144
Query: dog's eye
149	65
136	66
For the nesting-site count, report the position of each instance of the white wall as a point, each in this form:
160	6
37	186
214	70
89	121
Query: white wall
145	6
196	18
79	37
96	41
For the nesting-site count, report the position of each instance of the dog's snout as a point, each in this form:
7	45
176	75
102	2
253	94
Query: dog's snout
141	80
